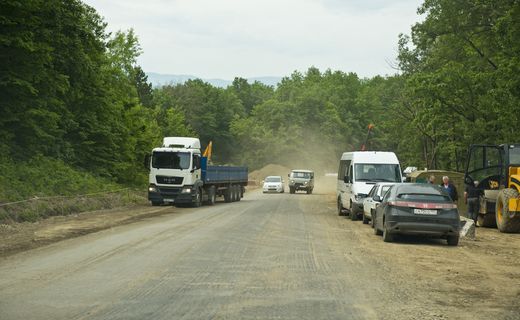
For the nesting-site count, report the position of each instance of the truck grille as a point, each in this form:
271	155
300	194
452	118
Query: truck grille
169	180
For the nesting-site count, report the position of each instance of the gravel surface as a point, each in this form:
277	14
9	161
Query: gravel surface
270	256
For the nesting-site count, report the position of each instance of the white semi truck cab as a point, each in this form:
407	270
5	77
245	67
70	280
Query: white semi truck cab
180	175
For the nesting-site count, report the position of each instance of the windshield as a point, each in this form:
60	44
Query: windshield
303	175
273	179
171	160
514	155
377	172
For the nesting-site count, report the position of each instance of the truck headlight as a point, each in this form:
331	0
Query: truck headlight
152	188
186	190
305	182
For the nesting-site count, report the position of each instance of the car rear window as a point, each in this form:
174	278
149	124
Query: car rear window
424	197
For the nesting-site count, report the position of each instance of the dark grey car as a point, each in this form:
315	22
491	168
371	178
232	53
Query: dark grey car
417	208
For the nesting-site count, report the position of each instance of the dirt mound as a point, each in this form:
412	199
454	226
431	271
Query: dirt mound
269	170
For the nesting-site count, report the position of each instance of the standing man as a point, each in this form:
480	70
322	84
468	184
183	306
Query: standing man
471	196
450	188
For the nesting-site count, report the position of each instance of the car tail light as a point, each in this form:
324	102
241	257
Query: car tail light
422	205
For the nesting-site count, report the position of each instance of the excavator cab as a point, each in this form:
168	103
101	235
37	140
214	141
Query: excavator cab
496	169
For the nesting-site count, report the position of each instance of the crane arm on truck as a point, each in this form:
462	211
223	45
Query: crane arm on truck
207	151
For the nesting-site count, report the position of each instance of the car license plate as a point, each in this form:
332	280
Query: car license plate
425	212
168	200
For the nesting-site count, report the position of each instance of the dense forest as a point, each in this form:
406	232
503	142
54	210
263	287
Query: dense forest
77	113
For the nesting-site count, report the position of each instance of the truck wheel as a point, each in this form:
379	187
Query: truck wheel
227	195
506	222
239	193
235	189
291	190
453	240
341	210
212	196
197	202
487	220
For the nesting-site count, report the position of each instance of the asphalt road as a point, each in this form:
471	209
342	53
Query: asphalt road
270	256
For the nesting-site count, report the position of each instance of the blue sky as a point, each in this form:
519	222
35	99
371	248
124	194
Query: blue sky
251	38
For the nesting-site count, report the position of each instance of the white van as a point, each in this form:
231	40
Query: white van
357	174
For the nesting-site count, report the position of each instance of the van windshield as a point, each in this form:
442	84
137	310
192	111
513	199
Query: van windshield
302	175
377	172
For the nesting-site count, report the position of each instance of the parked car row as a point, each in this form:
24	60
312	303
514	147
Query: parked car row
370	184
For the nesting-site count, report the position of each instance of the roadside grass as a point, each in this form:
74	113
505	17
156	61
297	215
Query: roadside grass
44	187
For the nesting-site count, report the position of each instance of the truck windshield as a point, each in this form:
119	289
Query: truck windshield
377	172
171	160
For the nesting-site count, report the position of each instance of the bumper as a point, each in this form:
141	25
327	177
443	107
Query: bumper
298	186
426	228
267	190
170	194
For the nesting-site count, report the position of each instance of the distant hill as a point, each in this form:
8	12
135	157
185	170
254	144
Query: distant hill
158	79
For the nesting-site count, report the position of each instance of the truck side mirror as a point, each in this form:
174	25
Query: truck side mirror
346	179
146	162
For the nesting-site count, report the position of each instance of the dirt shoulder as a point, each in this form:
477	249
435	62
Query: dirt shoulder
23	236
479	279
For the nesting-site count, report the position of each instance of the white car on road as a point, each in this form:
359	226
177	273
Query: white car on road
273	184
371	202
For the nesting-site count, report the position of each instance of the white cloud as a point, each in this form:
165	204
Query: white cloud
228	38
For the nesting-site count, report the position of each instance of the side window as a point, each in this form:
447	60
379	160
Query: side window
350	170
196	161
387	195
373	191
342	169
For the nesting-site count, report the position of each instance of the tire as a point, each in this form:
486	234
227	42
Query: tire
239	193
377	232
505	221
227	194
373	219
233	193
291	190
487	220
197	202
387	236
353	214
212	196
365	218
156	203
453	240
341	211
309	191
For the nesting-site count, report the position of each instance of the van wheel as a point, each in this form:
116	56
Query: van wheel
341	211
353	214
